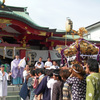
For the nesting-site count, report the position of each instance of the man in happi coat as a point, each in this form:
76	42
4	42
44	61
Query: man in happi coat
17	68
92	80
42	88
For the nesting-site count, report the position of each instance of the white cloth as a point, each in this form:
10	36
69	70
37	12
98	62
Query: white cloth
53	67
48	63
25	74
50	84
12	64
3	84
41	76
41	66
22	63
27	98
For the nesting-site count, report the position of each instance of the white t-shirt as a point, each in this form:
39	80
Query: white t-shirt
25	74
50	84
54	67
41	66
48	63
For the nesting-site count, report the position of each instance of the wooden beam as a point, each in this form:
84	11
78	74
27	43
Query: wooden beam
4	33
9	45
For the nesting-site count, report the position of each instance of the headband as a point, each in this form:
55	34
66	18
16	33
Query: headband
75	71
55	74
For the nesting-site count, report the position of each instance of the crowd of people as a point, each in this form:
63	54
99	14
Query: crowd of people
48	81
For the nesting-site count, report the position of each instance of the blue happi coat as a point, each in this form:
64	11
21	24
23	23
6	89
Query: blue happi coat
42	88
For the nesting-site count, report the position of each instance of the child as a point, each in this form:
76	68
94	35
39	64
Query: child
3	83
38	65
30	84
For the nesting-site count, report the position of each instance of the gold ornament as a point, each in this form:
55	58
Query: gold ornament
59	48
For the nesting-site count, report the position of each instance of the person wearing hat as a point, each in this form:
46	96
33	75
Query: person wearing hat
3	83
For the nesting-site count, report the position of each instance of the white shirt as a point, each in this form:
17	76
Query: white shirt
3	84
25	74
48	63
54	67
50	84
41	66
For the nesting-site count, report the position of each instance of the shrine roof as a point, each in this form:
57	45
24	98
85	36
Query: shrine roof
93	25
70	38
21	16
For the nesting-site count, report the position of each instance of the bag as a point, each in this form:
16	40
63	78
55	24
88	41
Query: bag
24	91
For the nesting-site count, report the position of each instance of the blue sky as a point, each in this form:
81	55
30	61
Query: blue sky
53	13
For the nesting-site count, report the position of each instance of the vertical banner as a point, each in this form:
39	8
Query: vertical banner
14	52
4	52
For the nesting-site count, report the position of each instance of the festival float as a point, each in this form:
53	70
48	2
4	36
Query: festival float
80	50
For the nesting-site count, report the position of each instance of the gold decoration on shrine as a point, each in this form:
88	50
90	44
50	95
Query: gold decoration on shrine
2	6
63	36
28	32
46	39
80	32
51	34
26	28
59	48
42	33
52	44
23	42
6	21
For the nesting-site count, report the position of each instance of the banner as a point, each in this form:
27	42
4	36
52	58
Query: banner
89	56
72	58
8	53
55	55
35	54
